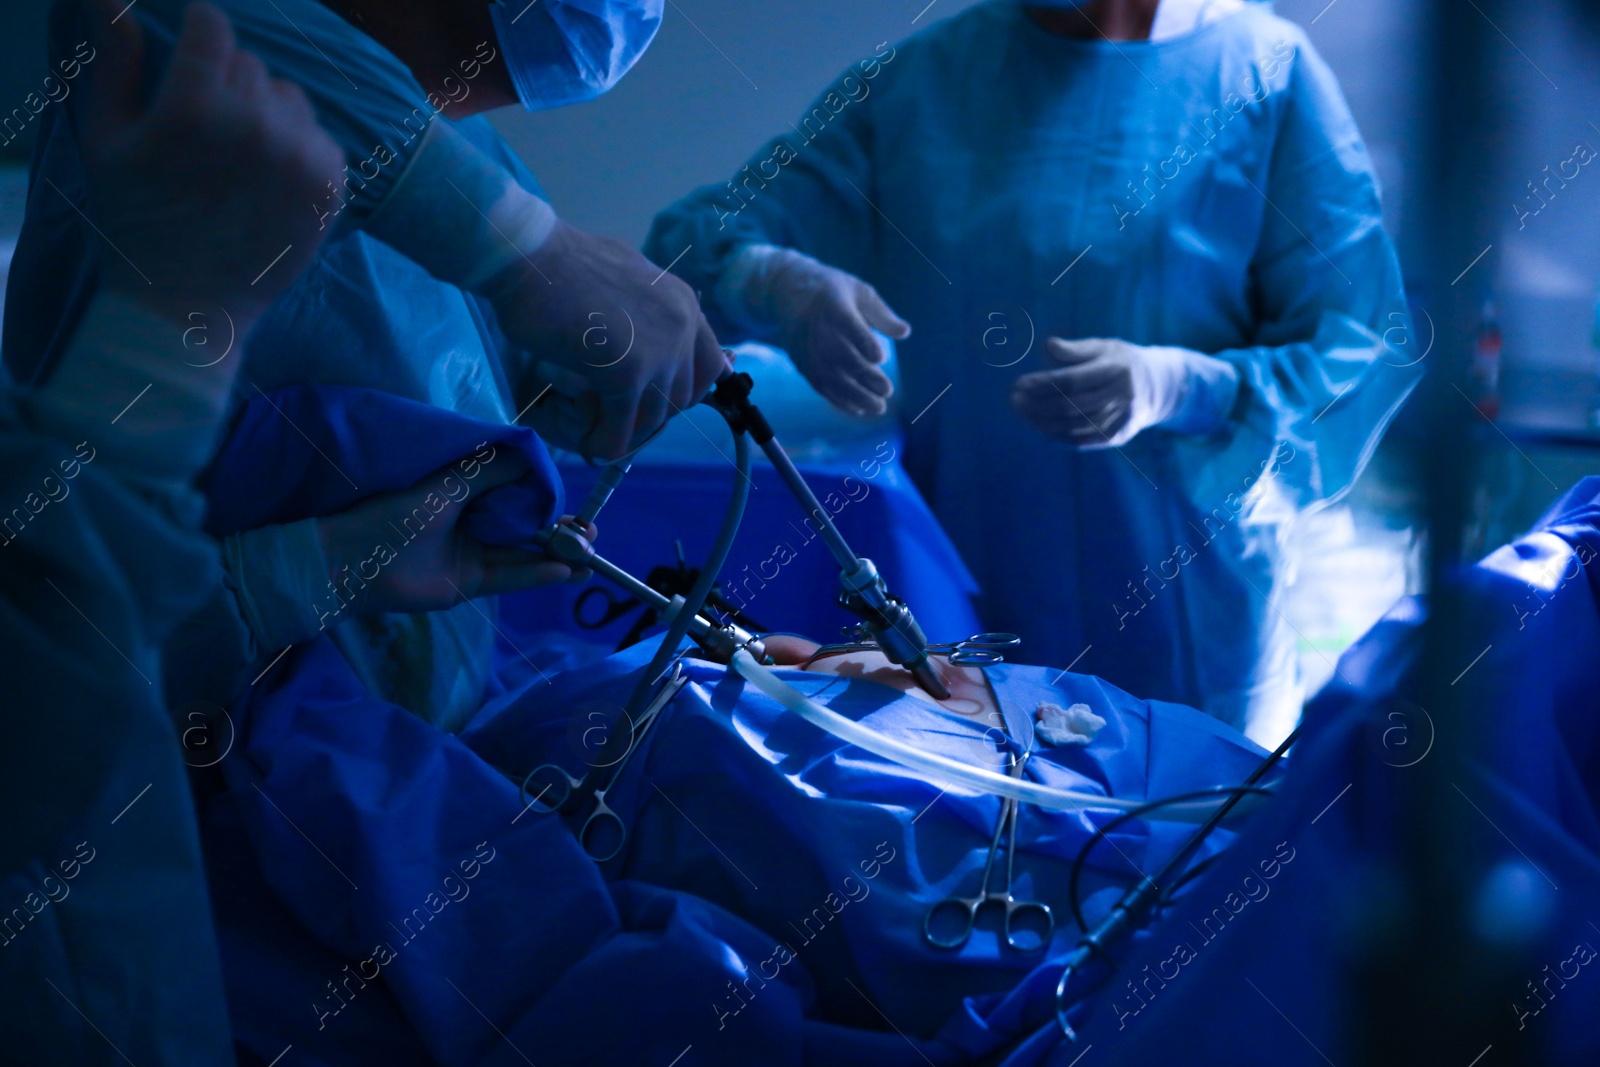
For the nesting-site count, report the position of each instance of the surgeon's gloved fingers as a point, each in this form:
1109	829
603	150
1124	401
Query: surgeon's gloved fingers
564	421
1085	404
842	364
857	345
1039	382
590	531
655	408
507	570
248	77
866	368
113	97
1093	376
612	435
292	106
1100	424
202	61
1079	350
710	363
855	400
1106	430
872	388
1059	417
564	380
877	314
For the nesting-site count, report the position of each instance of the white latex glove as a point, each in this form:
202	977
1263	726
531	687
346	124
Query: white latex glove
199	193
368	557
1105	392
617	340
295	580
620	343
822	317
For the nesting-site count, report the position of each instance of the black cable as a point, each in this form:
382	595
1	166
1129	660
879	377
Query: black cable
1137	902
1083	853
1188	876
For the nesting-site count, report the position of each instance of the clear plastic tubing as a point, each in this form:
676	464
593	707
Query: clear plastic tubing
946	770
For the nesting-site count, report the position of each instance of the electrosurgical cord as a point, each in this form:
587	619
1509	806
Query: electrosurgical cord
678	628
1138	902
566	541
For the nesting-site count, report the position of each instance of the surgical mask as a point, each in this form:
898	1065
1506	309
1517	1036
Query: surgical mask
567	51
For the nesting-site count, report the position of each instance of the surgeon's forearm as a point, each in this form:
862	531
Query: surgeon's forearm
742	292
280	579
460	215
131	383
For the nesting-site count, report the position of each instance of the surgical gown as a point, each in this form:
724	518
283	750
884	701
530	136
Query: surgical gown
362	315
1000	185
107	953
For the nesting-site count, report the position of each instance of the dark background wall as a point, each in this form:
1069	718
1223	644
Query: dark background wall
724	75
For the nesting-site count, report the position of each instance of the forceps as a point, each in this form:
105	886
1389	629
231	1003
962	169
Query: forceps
979	650
1037	919
561	792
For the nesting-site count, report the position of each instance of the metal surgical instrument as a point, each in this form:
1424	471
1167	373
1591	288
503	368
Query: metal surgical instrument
886	620
1037	917
979	650
884	617
568	543
563	793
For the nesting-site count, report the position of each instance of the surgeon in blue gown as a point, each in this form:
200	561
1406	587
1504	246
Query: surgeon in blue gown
447	280
107	952
1149	312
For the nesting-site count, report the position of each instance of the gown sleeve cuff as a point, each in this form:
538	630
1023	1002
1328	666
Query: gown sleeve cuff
146	391
459	214
1209	399
741	291
280	578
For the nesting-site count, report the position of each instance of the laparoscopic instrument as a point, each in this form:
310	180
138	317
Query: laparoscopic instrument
669	581
979	650
886	624
1028	924
549	788
886	620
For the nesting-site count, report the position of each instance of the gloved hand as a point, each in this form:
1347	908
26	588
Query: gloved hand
1105	391
367	554
822	317
197	194
621	343
200	192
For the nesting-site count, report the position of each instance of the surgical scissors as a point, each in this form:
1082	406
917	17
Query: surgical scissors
979	650
1037	918
571	794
